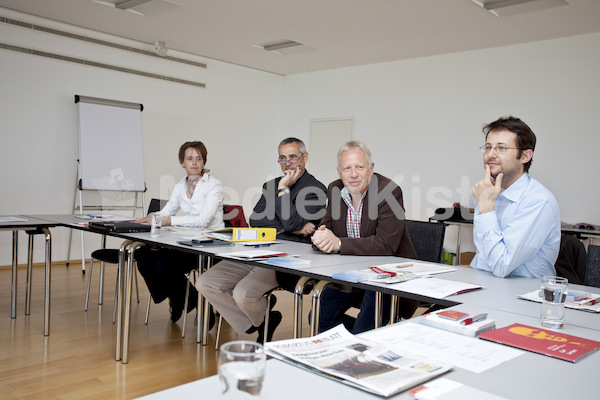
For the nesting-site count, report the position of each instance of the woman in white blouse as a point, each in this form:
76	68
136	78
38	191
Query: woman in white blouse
199	196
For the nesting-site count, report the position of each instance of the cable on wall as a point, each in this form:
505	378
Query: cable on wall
98	65
57	32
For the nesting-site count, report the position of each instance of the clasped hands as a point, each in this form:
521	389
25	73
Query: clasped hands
325	240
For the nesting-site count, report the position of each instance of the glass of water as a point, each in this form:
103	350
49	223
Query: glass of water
155	225
241	369
554	293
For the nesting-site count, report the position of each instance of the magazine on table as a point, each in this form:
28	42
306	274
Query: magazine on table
371	366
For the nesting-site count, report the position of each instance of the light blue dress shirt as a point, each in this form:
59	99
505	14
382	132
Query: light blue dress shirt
521	236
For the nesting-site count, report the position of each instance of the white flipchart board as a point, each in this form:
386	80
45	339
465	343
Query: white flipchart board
110	145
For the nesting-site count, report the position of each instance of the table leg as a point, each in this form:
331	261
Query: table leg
13	288
120	286
128	285
28	275
47	281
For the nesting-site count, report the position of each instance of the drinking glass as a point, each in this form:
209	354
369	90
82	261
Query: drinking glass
241	369
554	293
155	225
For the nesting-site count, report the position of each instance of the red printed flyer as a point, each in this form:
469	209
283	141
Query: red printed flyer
452	314
542	341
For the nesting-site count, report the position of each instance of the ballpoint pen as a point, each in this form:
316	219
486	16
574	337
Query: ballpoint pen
476	318
587	302
381	273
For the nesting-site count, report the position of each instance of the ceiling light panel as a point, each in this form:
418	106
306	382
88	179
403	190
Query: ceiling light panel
503	8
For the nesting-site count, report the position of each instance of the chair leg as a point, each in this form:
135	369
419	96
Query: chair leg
87	294
116	298
298	297
185	304
316	305
101	284
148	308
394	309
218	332
267	314
137	290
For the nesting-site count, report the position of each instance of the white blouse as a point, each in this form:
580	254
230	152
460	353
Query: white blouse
203	210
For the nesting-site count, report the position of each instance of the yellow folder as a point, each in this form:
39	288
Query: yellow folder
243	234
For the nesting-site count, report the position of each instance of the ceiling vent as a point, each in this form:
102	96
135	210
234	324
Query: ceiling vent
503	8
283	46
141	7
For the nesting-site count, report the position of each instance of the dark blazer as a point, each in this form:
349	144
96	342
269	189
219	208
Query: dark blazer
289	213
383	228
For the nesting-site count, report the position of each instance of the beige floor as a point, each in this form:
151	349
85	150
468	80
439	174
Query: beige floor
77	360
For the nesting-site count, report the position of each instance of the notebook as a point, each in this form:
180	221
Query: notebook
118	226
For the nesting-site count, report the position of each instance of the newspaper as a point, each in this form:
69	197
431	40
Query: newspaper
358	362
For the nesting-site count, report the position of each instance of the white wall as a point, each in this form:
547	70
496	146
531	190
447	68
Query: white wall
422	118
236	116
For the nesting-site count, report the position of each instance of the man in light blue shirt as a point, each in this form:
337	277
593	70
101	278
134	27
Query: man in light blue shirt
517	221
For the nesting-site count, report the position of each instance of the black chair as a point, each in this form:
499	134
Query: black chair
427	239
592	270
111	256
571	261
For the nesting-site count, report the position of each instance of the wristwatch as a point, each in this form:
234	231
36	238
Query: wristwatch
283	191
339	244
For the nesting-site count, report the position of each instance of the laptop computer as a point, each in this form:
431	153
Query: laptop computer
118	226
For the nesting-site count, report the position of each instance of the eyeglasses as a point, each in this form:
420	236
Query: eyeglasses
497	149
292	160
192	159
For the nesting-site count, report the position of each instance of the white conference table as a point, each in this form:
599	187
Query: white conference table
528	376
32	226
497	294
169	239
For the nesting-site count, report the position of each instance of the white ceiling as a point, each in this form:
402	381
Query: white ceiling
342	33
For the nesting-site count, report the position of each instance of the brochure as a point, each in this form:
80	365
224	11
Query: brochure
370	366
547	342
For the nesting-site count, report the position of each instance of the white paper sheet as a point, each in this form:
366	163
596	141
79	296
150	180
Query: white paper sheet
464	352
435	287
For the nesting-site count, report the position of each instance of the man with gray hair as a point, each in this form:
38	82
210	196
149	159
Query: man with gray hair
364	216
293	204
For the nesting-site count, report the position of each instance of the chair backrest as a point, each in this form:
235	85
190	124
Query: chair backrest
592	270
156	205
233	216
427	239
571	259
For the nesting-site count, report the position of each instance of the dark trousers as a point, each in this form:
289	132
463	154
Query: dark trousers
164	272
335	303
